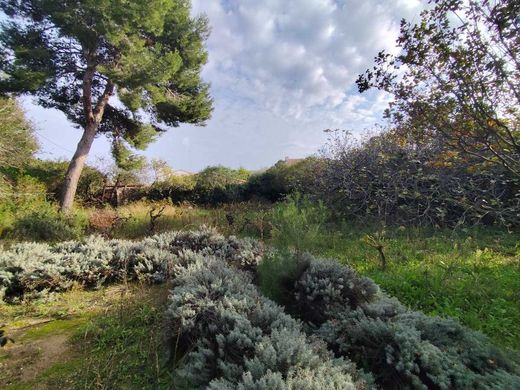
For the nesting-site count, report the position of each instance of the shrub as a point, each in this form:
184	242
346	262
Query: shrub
387	179
284	178
33	270
217	185
298	222
176	188
327	287
403	349
276	275
238	339
48	225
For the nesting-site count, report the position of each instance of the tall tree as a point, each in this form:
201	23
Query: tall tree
75	55
457	76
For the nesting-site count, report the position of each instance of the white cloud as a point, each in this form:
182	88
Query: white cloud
299	58
281	72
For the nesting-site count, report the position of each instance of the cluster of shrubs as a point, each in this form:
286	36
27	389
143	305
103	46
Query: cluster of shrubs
402	349
237	339
220	185
353	336
31	270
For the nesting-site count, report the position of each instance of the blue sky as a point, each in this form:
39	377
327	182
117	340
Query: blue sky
281	72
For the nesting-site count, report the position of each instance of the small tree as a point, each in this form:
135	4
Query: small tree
76	55
457	76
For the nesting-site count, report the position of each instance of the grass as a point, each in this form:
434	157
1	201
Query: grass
237	219
117	336
114	338
470	274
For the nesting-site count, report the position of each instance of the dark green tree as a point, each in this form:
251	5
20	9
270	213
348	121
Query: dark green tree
76	55
457	77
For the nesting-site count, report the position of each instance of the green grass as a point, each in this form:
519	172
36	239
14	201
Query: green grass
470	274
117	340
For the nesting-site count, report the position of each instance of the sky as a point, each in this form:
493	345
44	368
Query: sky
281	72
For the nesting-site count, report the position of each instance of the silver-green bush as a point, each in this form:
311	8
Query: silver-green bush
403	349
238	339
32	270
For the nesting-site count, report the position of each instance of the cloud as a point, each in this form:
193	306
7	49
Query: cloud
299	58
281	71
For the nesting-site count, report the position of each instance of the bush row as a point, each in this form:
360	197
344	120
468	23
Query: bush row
238	339
403	349
232	337
31	270
220	185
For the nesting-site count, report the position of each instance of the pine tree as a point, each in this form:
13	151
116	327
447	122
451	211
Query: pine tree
77	55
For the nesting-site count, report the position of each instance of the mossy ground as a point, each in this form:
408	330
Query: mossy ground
111	338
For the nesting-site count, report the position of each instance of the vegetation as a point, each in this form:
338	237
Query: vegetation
150	54
391	261
113	337
224	334
456	77
384	181
17	143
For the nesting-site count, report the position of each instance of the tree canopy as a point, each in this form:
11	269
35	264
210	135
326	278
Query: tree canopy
74	55
457	77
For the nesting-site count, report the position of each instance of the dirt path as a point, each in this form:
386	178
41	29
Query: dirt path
25	359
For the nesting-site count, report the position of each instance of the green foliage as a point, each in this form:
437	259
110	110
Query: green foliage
50	173
124	348
216	185
284	178
469	274
124	158
48	225
74	56
298	222
18	143
276	275
160	37
226	335
177	188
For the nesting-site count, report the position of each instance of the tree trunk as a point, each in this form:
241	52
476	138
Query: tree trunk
76	166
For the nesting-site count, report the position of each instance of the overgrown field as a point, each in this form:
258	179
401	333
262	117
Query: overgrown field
217	329
470	273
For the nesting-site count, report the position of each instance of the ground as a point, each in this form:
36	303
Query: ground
115	337
111	338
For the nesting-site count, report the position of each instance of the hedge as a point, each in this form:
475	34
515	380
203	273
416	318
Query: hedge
31	270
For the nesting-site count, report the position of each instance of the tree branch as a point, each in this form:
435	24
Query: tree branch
103	100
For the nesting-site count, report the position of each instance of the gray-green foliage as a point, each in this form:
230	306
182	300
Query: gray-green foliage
34	270
238	339
232	337
403	349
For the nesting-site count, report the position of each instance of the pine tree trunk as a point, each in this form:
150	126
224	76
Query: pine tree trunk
76	166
